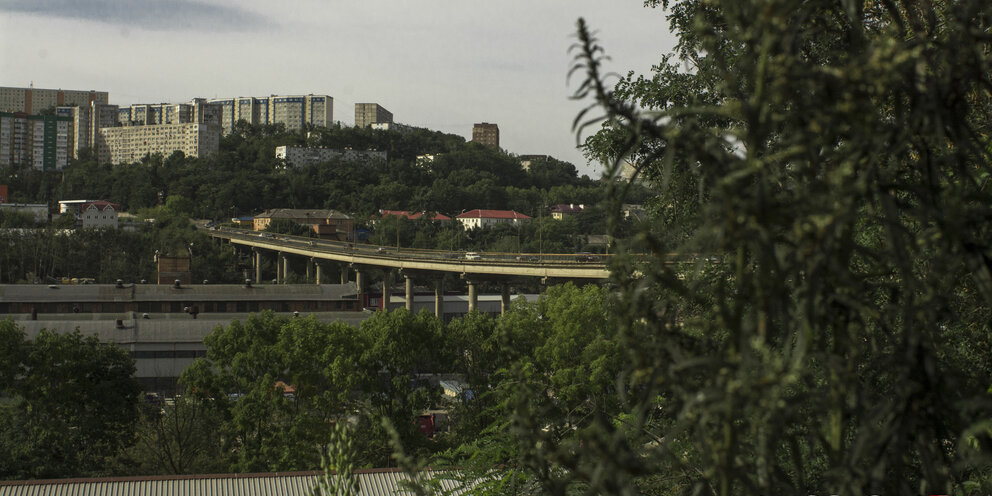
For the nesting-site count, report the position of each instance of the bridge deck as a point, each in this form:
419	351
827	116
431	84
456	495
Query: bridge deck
565	266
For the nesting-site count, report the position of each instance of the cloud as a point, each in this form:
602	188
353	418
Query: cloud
157	15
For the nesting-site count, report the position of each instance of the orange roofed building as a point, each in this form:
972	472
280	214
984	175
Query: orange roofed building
483	218
433	216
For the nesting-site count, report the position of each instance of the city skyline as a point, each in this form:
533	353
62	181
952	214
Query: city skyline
434	65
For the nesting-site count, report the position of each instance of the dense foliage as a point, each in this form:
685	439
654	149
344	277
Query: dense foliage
833	156
245	178
42	254
68	404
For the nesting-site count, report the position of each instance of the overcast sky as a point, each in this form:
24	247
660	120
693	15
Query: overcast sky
440	64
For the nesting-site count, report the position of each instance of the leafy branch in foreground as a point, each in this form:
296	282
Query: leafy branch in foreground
831	160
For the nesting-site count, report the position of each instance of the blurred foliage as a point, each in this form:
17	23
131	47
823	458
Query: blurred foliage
831	158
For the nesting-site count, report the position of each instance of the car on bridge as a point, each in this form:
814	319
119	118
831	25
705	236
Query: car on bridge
473	256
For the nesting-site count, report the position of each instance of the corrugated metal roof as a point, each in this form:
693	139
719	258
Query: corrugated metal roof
164	327
383	482
151	292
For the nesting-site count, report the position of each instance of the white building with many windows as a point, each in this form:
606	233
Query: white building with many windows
484	218
128	144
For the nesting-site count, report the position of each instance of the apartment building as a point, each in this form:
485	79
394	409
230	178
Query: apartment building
86	123
367	114
486	134
293	111
36	141
300	156
128	144
198	111
35	100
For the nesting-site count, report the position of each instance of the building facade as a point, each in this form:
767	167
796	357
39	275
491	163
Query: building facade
300	156
367	114
36	141
323	221
86	123
198	111
34	100
484	218
99	215
293	111
486	134
128	144
37	211
559	212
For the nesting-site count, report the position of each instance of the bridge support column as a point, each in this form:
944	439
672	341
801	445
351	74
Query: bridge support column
439	298
310	270
280	270
409	293
473	296
319	272
360	284
387	286
258	264
344	274
504	298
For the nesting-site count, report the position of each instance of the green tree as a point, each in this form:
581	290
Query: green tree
829	160
181	438
70	404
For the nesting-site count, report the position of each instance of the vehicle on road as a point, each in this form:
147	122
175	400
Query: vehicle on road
473	256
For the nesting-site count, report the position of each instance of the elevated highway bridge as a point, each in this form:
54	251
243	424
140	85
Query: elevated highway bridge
414	263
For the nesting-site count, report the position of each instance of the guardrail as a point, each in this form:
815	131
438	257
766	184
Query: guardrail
417	254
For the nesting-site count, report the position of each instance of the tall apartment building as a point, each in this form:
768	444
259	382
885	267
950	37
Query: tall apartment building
486	134
293	111
86	123
198	111
34	100
36	141
127	144
367	114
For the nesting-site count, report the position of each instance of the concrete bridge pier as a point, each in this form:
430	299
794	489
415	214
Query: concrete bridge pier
473	296
360	284
439	298
504	289
344	274
257	255
309	269
409	292
319	272
387	286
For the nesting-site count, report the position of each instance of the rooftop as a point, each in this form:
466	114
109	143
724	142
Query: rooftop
77	293
492	214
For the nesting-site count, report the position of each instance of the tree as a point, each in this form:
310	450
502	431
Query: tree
829	161
70	405
181	438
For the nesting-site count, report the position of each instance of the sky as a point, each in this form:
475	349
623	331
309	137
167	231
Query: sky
439	64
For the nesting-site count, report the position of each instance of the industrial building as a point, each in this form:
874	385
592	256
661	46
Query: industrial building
163	326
